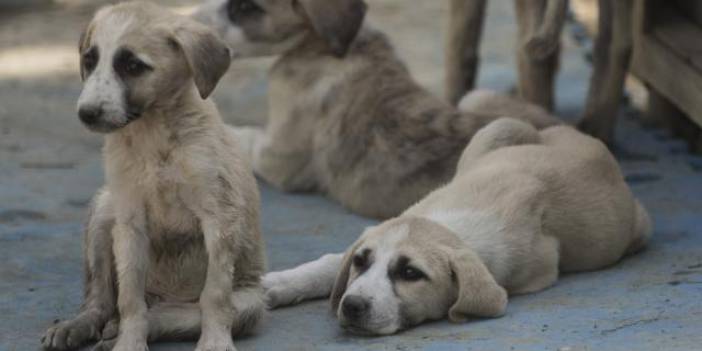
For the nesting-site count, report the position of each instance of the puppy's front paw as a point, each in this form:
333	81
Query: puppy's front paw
105	345
219	342
129	343
279	291
69	335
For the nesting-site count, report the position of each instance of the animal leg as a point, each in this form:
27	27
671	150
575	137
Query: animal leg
462	47
100	303
131	250
612	57
536	74
312	280
183	321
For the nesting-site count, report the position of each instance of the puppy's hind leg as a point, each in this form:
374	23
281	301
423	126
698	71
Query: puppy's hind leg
100	301
312	280
501	133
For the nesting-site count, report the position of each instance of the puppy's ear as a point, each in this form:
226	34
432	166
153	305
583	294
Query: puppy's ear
207	56
83	44
336	21
342	278
479	294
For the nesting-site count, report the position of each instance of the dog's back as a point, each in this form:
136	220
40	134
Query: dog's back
577	189
378	134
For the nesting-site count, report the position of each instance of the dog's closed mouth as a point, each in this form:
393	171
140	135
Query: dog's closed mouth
357	331
104	127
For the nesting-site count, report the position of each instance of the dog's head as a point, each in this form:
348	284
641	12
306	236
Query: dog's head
409	270
270	27
137	56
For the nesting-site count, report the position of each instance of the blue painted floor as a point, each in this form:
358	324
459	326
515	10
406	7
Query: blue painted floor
50	166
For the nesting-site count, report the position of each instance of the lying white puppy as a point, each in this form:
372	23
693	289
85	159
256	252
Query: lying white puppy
523	206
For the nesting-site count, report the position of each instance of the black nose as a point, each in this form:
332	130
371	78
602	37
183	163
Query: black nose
354	307
90	114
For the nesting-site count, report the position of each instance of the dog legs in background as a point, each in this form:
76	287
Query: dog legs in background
100	299
546	39
540	24
462	47
312	280
612	57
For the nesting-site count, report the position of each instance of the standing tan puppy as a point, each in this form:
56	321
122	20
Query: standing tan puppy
346	117
173	247
523	206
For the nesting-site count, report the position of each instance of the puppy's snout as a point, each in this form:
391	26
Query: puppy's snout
90	114
355	307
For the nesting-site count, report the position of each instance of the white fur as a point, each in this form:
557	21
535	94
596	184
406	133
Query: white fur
102	88
214	14
480	230
504	224
375	286
308	281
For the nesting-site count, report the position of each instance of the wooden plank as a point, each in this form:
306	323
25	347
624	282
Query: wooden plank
678	81
680	34
691	9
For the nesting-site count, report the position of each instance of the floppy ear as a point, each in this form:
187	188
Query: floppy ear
336	21
342	278
207	56
83	43
478	293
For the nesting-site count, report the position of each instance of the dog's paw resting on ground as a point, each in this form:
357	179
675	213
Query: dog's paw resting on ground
283	289
69	335
127	342
105	345
279	291
215	342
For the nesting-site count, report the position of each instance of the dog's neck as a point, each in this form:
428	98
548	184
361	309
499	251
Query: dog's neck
371	55
480	231
162	128
171	114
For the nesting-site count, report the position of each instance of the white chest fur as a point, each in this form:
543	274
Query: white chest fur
150	173
482	231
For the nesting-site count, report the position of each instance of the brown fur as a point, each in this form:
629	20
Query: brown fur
540	25
358	127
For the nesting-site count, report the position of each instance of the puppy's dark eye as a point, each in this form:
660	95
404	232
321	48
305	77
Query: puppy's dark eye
135	67
240	9
411	274
360	262
126	64
90	59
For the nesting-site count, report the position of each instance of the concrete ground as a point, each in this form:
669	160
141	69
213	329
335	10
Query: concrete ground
50	166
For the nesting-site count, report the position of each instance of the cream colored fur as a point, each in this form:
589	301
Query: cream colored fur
523	207
173	247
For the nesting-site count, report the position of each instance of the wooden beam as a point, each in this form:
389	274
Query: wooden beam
671	76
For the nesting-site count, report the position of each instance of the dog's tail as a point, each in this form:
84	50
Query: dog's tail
643	229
